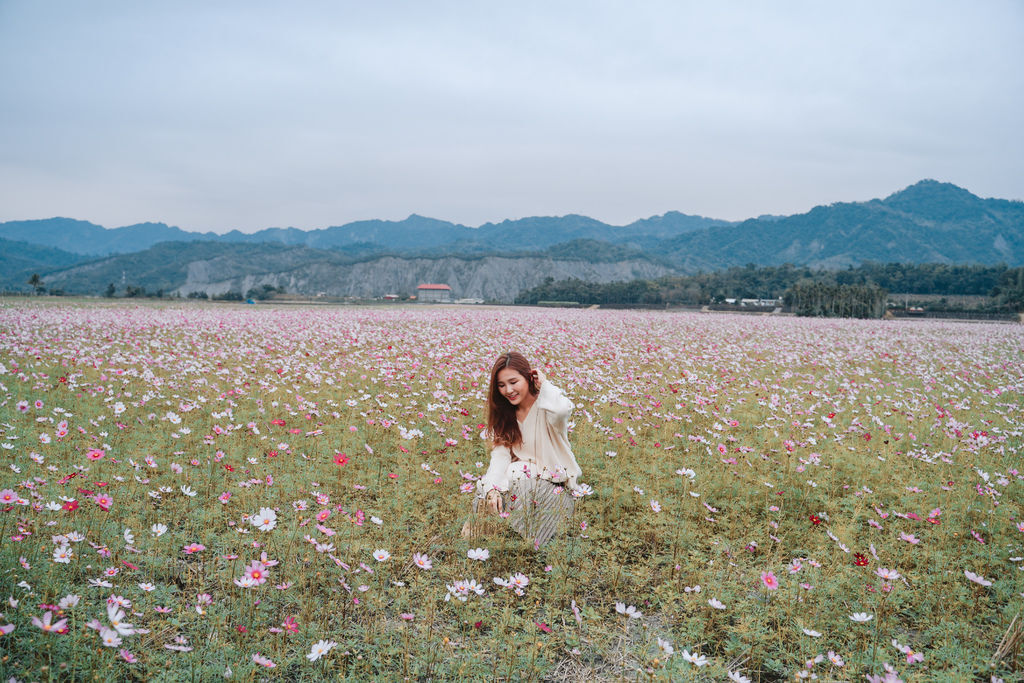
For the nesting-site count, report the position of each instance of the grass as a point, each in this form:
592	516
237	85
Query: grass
872	428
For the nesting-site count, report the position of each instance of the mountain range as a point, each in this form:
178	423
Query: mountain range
929	221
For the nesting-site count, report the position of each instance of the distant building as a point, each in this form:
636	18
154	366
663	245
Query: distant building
434	293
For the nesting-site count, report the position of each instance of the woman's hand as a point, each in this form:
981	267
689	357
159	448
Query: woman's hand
494	502
538	377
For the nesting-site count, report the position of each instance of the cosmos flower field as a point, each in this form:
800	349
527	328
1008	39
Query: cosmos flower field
193	491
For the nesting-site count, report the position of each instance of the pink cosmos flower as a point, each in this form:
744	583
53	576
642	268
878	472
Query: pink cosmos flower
887	574
193	548
422	561
47	624
95	454
256	572
769	581
263	661
909	538
912	656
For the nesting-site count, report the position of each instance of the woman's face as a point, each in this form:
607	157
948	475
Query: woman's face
512	385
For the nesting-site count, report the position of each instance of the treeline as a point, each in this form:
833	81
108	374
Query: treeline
832	300
855	291
927	278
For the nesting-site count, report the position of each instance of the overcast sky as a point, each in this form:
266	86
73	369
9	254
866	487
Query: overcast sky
246	115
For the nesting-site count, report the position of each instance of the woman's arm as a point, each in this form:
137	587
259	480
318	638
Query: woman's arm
496	476
553	402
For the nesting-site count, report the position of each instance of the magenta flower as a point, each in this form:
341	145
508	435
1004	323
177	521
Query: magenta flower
769	581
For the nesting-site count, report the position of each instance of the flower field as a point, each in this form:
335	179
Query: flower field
192	491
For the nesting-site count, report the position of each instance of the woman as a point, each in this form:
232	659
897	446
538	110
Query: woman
531	480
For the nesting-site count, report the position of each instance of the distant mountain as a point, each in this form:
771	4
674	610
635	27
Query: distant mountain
928	222
415	233
216	268
19	260
83	237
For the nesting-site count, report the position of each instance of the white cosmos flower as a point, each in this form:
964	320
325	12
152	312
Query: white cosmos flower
320	648
716	603
632	612
861	617
977	578
110	637
666	647
812	634
381	555
129	537
158	529
480	554
63	554
265	520
698	660
187	490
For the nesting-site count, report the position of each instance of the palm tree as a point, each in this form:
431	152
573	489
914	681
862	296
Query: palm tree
36	282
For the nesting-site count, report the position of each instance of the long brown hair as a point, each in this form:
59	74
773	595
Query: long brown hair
502	427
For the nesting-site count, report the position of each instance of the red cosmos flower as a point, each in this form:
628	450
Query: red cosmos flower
279	422
272	454
478	624
815	520
70	505
860	559
542	626
229	468
340	459
62	379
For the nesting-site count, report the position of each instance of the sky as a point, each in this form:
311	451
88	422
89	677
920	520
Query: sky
215	116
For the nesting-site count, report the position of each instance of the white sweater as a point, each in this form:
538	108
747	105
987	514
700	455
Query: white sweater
544	450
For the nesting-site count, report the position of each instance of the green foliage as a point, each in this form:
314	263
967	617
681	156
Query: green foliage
822	299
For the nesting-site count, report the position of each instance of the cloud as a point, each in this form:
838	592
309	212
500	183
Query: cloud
246	115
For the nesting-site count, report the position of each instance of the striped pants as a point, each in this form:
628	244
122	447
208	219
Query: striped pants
537	509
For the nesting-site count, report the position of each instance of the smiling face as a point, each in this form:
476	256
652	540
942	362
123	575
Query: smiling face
512	385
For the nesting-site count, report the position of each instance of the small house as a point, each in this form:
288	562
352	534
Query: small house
434	293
